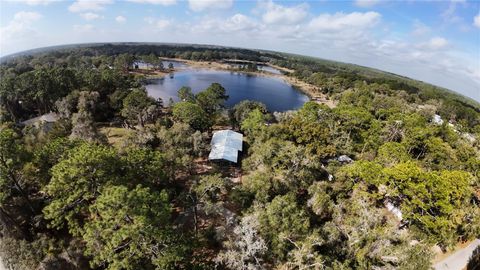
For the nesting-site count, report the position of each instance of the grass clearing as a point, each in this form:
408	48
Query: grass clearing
115	135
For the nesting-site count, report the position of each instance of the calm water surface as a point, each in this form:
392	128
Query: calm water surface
274	92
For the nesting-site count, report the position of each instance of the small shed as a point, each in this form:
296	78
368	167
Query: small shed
45	121
437	120
225	145
344	159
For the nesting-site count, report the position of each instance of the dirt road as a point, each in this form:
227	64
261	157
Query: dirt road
459	259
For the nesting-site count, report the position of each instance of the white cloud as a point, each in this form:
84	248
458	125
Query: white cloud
83	28
149	20
27	16
155	2
476	20
450	14
341	21
433	61
89	16
87	5
435	43
239	22
232	25
420	29
159	24
120	19
438	43
162	24
38	2
202	5
20	26
278	14
366	3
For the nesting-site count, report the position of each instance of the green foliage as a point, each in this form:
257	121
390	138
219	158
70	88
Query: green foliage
241	110
12	158
368	171
253	123
429	200
211	99
50	154
439	152
365	238
282	221
185	94
179	148
129	229
309	128
123	61
320	201
416	257
78	180
392	153
301	206
209	188
432	200
290	167
191	114
83	126
261	184
138	107
354	120
145	166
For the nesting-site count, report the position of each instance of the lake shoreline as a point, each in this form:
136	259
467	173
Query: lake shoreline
308	89
274	92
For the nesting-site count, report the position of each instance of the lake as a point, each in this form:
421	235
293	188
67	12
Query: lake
273	92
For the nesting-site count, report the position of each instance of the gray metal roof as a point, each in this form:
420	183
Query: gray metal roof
49	118
225	145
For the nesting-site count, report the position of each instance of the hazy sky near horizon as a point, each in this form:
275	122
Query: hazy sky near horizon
433	41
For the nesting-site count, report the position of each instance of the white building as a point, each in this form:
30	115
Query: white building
225	145
437	120
394	210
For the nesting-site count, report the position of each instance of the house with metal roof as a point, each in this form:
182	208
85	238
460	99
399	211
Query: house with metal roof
44	122
225	145
48	118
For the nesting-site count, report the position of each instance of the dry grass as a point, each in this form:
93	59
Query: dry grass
115	135
311	90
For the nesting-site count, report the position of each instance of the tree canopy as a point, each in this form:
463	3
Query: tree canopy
121	182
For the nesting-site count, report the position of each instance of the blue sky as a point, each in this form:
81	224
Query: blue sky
433	41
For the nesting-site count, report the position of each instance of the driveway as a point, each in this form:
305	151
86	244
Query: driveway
459	259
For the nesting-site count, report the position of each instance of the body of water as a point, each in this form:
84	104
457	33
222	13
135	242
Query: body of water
273	92
269	69
176	64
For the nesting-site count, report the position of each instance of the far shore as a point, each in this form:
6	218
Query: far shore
310	90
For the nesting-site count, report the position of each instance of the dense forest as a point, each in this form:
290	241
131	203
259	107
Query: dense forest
122	181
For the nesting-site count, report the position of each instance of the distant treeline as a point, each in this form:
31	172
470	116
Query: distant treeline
191	52
334	77
331	78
